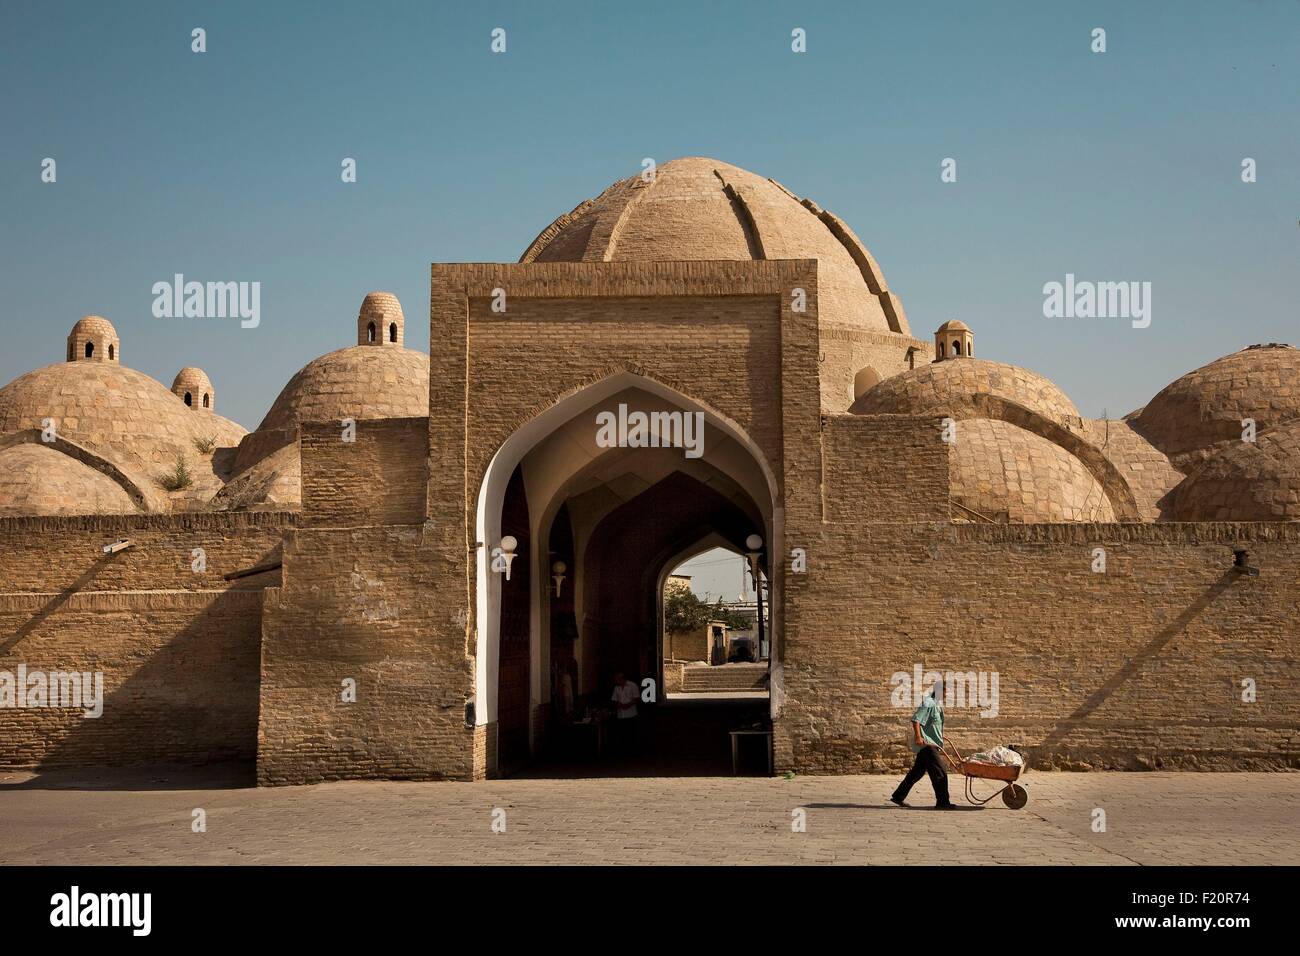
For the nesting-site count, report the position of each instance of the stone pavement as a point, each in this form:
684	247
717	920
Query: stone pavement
144	817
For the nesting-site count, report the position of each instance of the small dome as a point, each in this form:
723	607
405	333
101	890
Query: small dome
959	387
702	209
94	325
380	321
1207	406
954	325
193	387
359	382
93	339
1246	481
36	480
1005	473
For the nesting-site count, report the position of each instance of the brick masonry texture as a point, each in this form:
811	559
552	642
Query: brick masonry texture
376	479
179	650
1139	667
361	604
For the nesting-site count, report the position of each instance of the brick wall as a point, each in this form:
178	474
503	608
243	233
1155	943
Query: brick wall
179	672
1139	667
363	603
379	478
692	645
51	554
884	468
178	649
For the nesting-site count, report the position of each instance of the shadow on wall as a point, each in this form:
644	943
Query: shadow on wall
193	699
1052	743
55	603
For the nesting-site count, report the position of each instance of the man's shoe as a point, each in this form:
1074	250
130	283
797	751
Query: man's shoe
897	800
945	806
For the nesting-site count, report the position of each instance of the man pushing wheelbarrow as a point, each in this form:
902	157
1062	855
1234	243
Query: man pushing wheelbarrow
927	743
1001	764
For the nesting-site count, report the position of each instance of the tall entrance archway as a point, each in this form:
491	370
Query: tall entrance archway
588	504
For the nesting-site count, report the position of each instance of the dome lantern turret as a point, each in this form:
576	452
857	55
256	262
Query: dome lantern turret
953	339
93	339
380	321
193	387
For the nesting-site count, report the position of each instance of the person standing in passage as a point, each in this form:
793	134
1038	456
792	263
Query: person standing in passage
927	741
624	699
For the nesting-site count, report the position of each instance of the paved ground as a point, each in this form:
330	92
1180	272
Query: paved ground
145	817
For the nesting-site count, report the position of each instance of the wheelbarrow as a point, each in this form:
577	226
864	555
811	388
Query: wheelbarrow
1013	794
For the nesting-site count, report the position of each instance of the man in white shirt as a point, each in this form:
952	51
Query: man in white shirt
624	699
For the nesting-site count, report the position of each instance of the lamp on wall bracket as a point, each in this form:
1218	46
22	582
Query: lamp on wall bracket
503	556
557	575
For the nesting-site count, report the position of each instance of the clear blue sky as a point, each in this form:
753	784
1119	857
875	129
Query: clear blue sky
225	166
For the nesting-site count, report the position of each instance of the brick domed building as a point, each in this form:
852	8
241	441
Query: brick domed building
695	358
102	416
378	378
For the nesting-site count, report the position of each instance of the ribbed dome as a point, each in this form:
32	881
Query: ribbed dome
1207	406
35	480
956	386
1247	481
1006	473
701	209
359	382
122	415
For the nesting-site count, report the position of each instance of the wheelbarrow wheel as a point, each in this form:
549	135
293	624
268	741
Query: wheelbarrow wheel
1015	796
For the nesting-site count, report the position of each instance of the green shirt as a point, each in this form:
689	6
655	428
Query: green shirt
930	716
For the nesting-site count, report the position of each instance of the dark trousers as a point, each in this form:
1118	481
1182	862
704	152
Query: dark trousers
927	761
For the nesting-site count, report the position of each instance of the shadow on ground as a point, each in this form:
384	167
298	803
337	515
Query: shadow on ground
235	775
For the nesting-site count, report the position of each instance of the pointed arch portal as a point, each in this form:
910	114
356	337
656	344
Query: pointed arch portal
614	517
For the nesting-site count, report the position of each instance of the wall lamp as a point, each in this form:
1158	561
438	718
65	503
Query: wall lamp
504	556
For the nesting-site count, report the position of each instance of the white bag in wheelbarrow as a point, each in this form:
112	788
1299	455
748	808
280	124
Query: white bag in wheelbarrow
999	757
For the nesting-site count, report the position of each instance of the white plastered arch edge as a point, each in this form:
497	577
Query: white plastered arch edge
491	496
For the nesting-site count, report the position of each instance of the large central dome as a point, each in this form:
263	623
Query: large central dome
702	209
